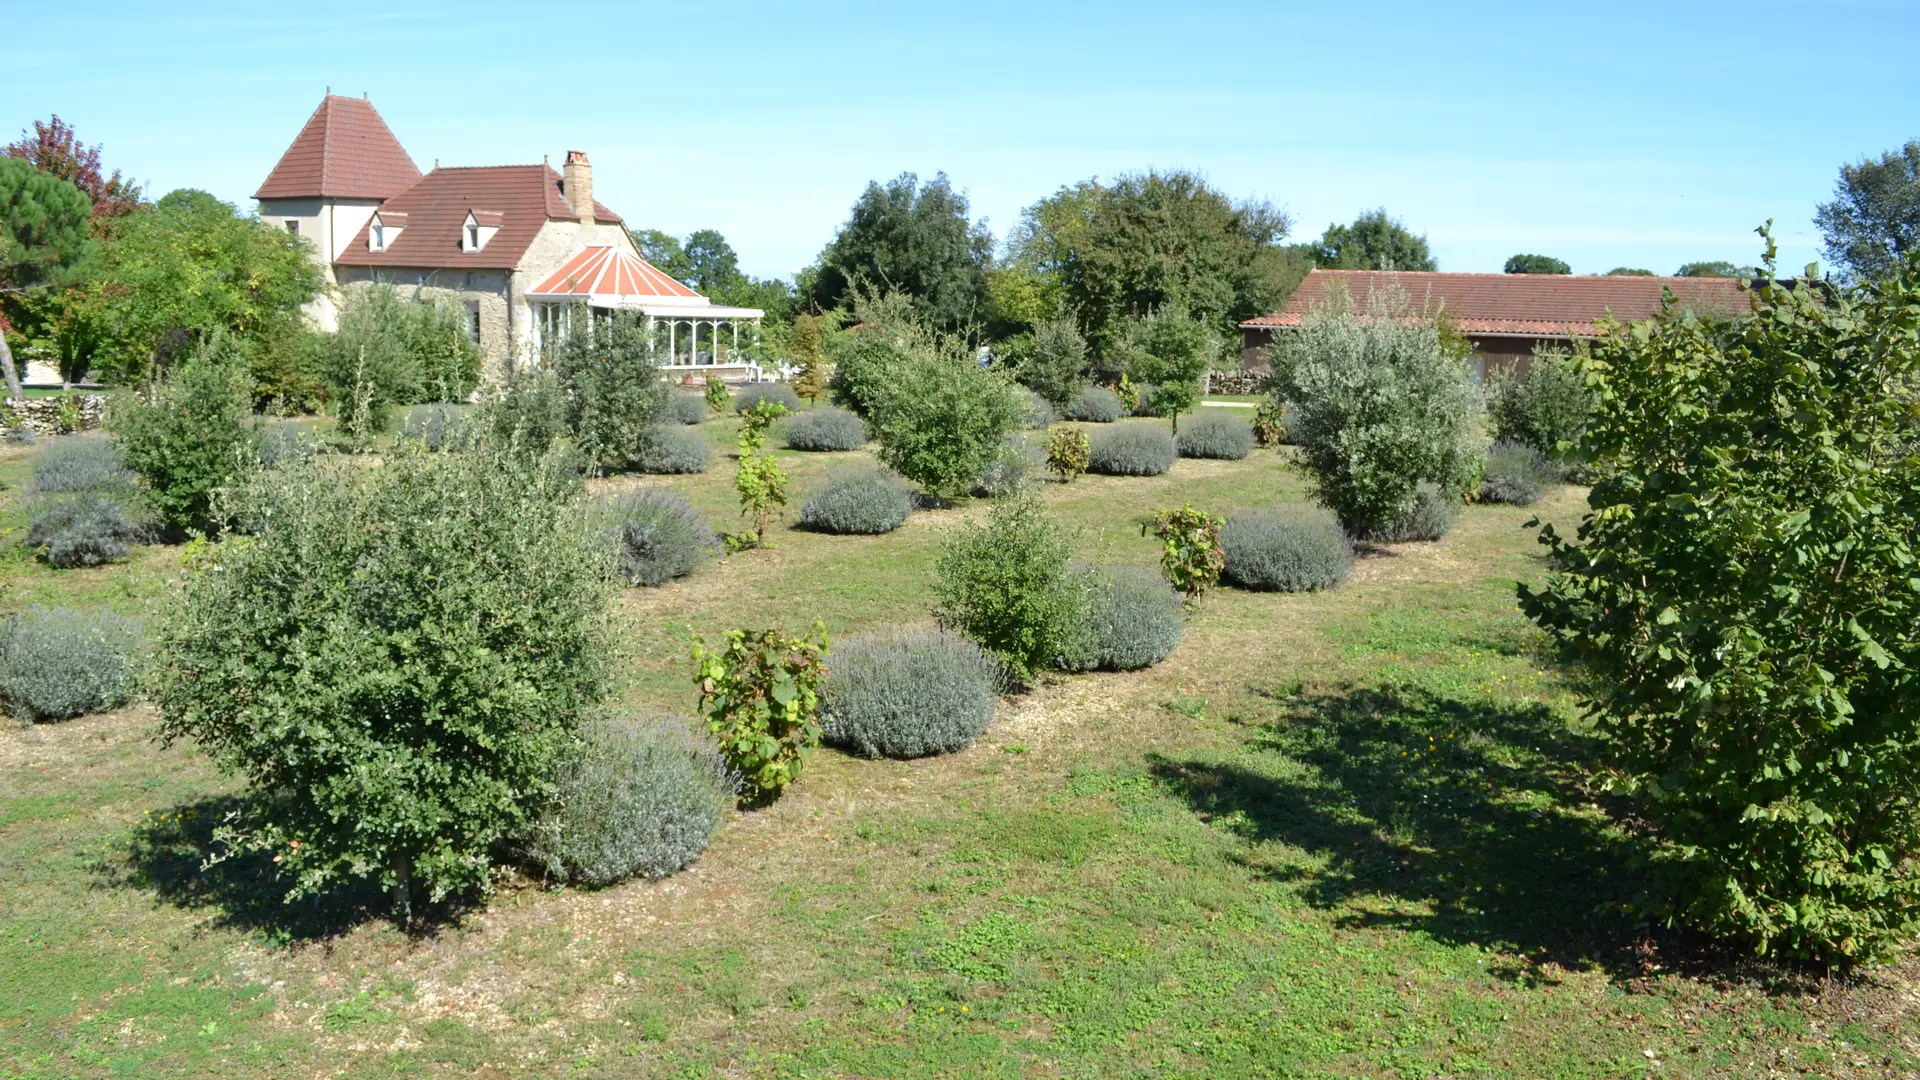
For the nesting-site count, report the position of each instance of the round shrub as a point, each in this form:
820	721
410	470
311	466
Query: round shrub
868	502
688	409
1286	552
1039	412
909	693
1128	618
825	427
88	528
1007	471
82	463
1210	435
754	393
285	442
1095	405
1432	515
58	663
1133	450
436	426
1516	473
639	798
670	451
658	536
1149	404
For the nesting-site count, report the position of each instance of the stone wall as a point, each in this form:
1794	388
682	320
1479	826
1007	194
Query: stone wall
42	416
1236	382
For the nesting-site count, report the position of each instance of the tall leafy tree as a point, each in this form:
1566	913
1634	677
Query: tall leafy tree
1874	218
914	238
53	148
713	264
1629	271
1713	268
1149	240
168	277
1375	241
43	239
1171	351
1537	264
665	252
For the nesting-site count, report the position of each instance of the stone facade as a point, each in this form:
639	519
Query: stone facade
43	416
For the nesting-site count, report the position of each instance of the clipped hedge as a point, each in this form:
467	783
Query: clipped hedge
671	451
868	502
658	536
1213	435
59	663
639	798
1127	618
1132	450
1286	551
1095	405
909	693
825	428
745	398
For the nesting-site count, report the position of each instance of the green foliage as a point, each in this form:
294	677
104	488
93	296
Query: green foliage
396	350
760	695
1285	551
943	418
685	409
1270	422
438	426
1006	472
1068	453
85	528
869	502
43	227
1374	241
914	238
1548	409
1215	435
657	535
1537	264
777	393
1190	552
825	428
168	278
612	381
1432	514
1005	585
1039	412
1742	592
1378	409
670	451
759	481
1056	366
909	693
1095	405
527	412
189	436
1172	353
82	463
807	346
639	797
717	397
1629	271
1516	473
868	358
1873	221
1131	450
1153	240
396	658
1124	618
1713	268
59	663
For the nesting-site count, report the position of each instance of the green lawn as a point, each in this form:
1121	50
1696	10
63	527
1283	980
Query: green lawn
1342	834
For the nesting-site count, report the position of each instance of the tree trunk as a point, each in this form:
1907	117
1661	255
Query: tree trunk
14	392
403	889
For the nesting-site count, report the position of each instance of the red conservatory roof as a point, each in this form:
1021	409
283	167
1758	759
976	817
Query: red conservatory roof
611	273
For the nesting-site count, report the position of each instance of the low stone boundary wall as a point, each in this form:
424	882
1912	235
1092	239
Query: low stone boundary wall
55	415
1235	382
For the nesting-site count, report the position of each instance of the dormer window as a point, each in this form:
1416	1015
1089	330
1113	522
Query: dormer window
384	229
478	229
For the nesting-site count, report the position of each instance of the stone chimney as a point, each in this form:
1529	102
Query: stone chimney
578	186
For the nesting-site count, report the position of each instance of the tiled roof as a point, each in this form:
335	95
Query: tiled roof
1548	305
346	152
525	196
614	273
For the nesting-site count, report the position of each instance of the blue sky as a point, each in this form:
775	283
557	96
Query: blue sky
1636	134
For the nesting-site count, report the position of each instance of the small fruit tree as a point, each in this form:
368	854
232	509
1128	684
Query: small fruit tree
760	481
760	694
1190	551
1068	453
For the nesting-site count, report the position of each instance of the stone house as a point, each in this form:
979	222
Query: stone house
514	246
1505	316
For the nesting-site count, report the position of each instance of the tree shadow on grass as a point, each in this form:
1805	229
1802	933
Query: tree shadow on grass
1467	820
169	856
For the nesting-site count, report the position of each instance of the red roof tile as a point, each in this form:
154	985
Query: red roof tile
525	196
612	273
346	151
1547	305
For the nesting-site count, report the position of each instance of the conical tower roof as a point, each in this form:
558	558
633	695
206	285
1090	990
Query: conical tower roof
345	152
